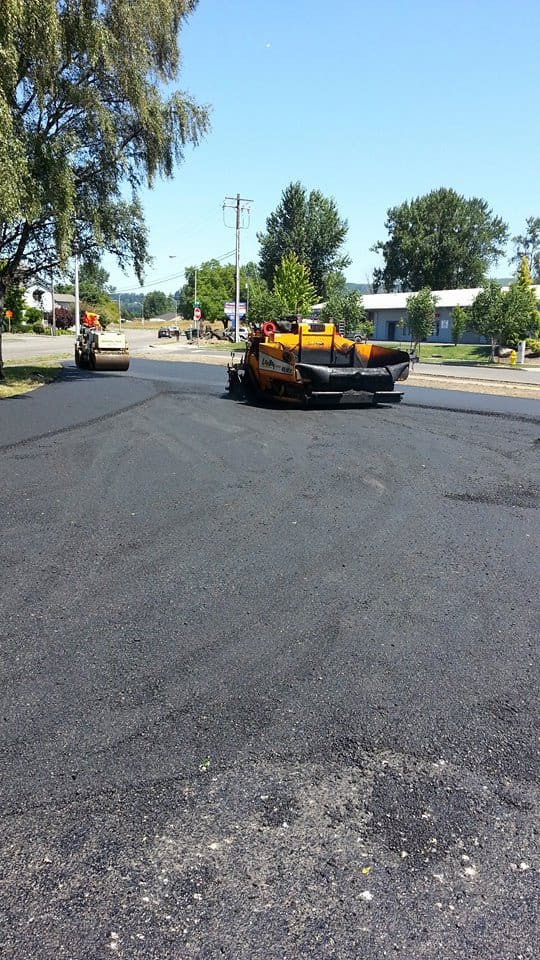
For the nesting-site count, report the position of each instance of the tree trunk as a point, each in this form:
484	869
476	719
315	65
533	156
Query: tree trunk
492	358
2	294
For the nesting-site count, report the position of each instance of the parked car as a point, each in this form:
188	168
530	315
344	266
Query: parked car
164	332
243	331
173	330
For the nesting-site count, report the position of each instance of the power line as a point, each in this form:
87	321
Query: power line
174	276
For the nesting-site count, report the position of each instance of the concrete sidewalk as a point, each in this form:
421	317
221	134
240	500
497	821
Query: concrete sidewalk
22	346
514	375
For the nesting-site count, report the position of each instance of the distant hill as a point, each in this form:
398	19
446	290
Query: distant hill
361	287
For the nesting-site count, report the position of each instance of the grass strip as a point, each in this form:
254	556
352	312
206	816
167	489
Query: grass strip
23	377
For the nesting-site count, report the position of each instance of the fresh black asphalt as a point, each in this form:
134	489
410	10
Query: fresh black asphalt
270	679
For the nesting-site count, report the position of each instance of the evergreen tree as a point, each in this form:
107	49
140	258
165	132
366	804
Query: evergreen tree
520	309
309	226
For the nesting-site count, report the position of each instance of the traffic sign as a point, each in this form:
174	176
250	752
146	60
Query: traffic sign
230	309
197	313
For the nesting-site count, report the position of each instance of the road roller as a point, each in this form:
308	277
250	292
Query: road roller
98	349
307	363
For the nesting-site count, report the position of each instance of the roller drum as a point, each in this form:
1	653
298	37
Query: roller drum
110	361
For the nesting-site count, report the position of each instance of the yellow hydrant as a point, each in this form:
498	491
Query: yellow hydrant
513	358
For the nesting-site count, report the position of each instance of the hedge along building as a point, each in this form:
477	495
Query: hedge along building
388	311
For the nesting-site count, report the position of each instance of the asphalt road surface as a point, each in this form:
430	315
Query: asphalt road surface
270	678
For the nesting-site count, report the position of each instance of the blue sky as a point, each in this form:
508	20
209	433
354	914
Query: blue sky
372	103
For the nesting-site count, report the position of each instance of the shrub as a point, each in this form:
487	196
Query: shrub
37	327
533	347
32	316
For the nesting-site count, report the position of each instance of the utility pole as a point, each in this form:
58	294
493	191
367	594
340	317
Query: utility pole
77	303
53	303
241	205
195	305
119	313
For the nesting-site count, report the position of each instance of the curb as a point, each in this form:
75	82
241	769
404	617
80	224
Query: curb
483	380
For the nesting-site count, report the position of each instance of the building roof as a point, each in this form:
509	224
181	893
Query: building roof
463	297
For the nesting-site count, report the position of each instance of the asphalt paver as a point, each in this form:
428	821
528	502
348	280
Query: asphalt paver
270	677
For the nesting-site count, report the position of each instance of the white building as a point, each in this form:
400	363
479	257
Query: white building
40	296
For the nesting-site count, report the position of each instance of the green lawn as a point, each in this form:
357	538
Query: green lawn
222	346
432	352
22	377
444	352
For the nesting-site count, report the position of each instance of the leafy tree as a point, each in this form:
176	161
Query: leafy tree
335	285
263	304
293	289
460	321
216	287
93	276
487	313
84	115
132	304
421	308
520	309
14	301
441	241
528	245
155	303
347	309
309	226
